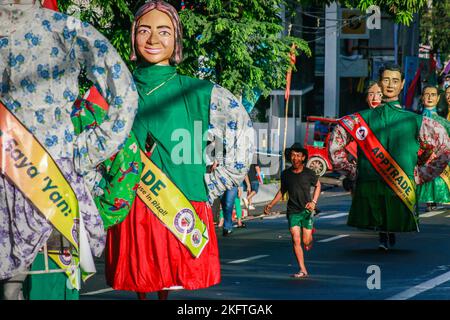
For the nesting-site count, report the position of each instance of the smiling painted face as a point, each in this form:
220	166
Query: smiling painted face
374	96
391	84
155	37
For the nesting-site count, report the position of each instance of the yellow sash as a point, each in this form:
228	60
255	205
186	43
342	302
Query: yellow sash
70	261
25	162
381	160
171	207
445	175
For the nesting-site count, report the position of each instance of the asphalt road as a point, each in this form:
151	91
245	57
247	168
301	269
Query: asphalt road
257	261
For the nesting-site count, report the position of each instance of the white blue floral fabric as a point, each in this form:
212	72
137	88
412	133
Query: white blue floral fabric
231	130
41	56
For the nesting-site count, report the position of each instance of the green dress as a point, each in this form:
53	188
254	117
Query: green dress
375	206
436	190
177	125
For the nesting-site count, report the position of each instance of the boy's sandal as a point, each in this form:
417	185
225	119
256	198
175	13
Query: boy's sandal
300	274
243	225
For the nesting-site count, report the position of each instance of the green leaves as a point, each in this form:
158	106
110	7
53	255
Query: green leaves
401	10
236	43
241	45
435	26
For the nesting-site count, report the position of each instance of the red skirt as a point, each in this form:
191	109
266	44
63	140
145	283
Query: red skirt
142	255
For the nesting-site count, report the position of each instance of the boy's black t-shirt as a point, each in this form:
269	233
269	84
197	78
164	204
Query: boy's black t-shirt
298	187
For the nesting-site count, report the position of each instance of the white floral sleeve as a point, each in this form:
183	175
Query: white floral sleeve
339	155
231	131
433	137
105	68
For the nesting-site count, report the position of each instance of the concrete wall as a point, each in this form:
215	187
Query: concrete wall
266	193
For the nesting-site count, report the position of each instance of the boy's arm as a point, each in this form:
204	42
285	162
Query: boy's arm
273	202
312	205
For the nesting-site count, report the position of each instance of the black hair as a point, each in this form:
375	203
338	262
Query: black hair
441	107
391	67
295	148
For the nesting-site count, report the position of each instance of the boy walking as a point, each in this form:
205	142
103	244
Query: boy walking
297	182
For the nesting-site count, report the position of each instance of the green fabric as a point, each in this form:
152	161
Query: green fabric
435	190
237	204
50	286
301	219
178	104
375	206
121	173
398	132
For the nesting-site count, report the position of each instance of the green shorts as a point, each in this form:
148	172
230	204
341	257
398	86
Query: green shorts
301	219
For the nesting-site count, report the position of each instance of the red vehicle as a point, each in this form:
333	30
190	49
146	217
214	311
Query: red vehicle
317	145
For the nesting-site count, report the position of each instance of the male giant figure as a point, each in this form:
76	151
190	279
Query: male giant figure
386	171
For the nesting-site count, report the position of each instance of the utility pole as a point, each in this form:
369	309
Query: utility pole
331	74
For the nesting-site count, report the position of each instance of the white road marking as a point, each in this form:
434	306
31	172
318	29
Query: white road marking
338	195
424	286
334	238
431	214
336	215
271	217
97	292
249	259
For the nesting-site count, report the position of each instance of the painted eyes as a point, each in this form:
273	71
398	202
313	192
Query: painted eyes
386	81
163	33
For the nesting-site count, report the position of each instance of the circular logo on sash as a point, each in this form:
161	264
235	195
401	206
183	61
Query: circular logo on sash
65	257
184	221
196	238
76	225
361	133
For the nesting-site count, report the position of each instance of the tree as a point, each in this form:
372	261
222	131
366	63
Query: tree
435	26
401	10
112	18
241	44
238	44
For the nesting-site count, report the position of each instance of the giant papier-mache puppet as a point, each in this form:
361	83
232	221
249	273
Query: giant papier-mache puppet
437	190
168	241
47	170
386	171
